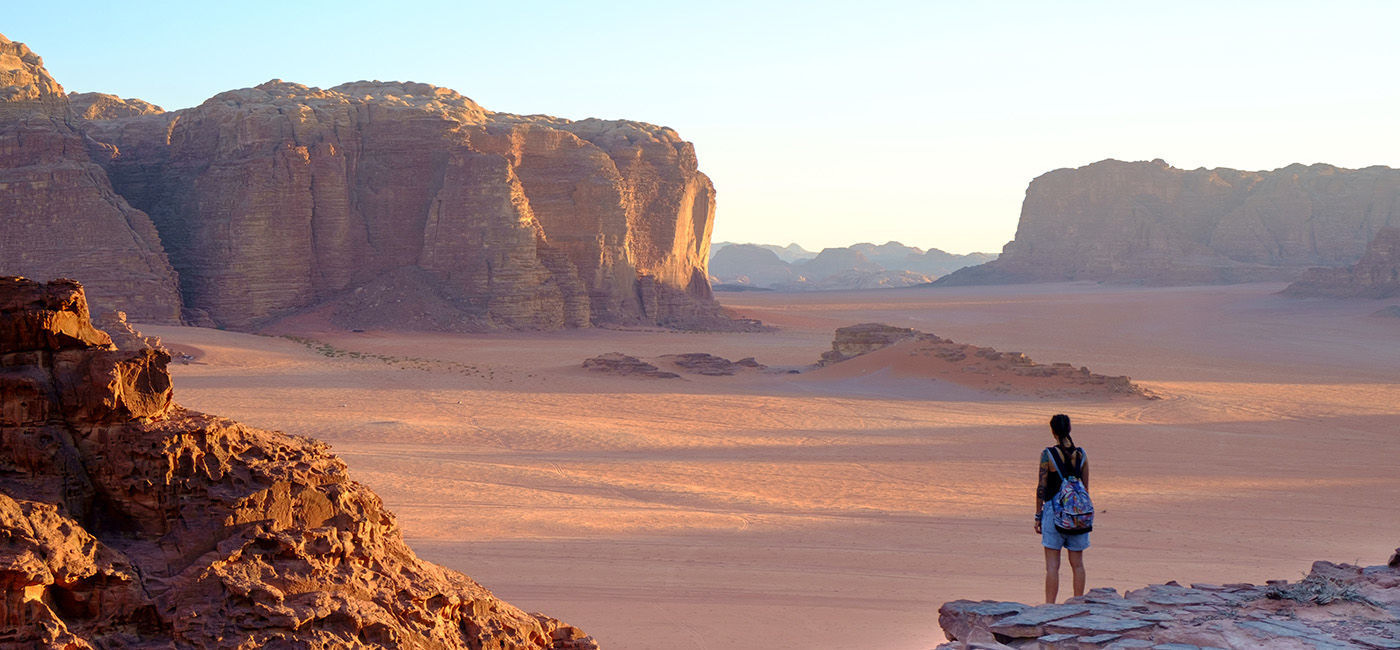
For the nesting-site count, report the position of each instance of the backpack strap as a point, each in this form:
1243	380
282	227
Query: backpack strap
1059	463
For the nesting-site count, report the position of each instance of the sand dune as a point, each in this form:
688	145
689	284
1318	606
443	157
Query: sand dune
785	511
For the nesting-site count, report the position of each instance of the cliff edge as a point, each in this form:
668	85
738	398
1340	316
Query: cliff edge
129	521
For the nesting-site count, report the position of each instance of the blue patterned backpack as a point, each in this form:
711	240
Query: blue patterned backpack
1073	509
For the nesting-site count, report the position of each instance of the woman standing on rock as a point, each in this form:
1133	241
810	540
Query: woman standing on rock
1063	460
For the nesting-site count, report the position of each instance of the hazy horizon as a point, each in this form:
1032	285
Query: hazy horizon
921	123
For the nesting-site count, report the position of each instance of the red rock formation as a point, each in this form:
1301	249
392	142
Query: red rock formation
1149	222
59	216
1376	275
281	197
131	522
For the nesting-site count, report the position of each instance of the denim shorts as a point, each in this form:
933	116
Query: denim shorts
1052	538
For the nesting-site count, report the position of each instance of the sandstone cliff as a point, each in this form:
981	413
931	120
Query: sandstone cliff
59	215
1376	275
131	522
282	197
1149	222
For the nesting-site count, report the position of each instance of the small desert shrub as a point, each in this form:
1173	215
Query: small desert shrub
1318	590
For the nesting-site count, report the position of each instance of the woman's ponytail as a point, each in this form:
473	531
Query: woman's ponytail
1059	425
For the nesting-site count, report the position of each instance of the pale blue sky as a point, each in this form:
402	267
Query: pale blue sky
822	123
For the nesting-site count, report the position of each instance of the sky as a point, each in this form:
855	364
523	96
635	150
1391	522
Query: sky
821	123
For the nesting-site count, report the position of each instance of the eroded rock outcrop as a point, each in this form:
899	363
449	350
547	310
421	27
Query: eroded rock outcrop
1376	275
283	197
1152	223
874	347
626	365
59	216
131	522
1335	606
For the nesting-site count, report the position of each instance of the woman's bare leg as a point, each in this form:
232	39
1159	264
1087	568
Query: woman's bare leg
1076	562
1052	574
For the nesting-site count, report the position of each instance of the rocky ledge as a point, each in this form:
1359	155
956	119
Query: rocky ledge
127	521
1335	606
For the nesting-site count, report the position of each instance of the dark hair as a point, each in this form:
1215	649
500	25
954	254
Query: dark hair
1059	425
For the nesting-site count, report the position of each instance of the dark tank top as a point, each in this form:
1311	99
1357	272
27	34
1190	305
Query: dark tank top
1073	461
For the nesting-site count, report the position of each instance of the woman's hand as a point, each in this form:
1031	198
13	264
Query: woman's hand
1037	526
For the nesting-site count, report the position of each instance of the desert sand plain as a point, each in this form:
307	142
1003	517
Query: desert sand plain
839	508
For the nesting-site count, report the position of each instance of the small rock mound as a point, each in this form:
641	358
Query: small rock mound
910	352
700	363
617	363
1335	606
130	522
853	341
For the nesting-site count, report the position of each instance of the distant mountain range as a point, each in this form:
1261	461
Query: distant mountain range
860	266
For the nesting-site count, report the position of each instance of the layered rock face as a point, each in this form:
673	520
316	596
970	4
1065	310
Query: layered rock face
281	197
59	216
1335	606
130	522
1376	275
1152	223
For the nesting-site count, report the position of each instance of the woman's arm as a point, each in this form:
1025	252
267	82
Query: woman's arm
1040	489
1084	473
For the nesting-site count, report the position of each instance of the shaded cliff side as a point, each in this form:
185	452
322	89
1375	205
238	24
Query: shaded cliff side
129	521
1149	222
59	215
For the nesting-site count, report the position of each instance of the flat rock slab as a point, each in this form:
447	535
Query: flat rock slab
1372	641
960	617
1096	624
1173	596
1030	623
1275	629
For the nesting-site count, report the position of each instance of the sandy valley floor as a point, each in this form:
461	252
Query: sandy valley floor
831	510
